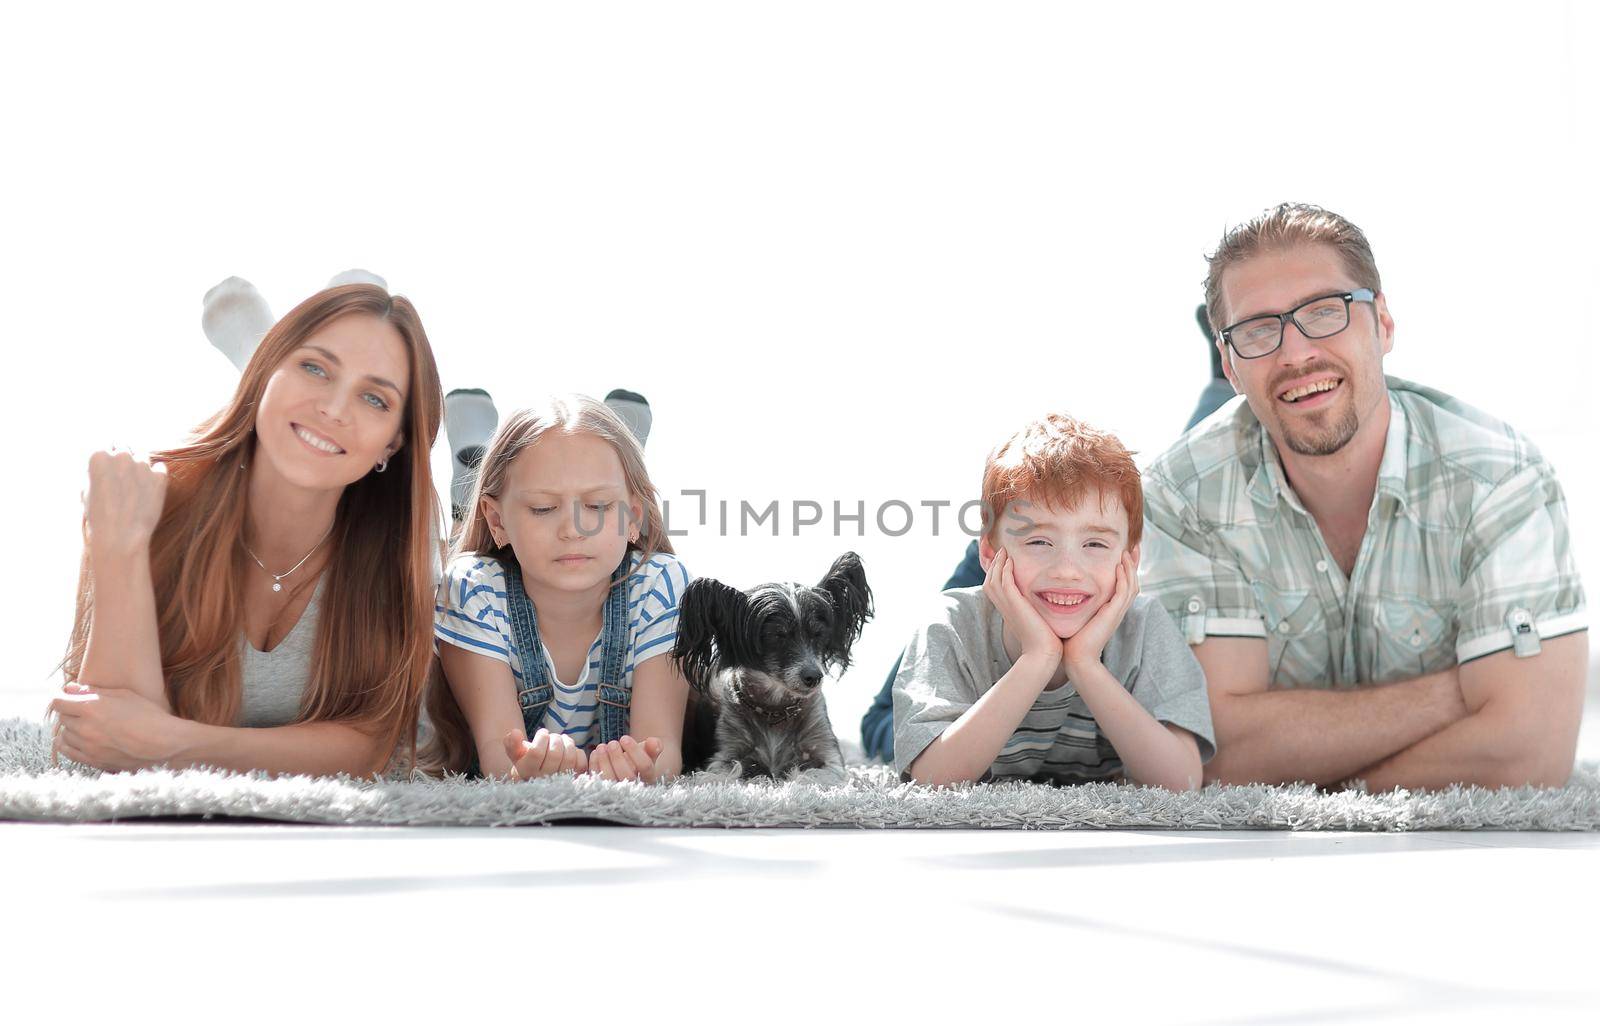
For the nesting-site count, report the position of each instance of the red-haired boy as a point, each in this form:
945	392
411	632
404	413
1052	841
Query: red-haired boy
1056	668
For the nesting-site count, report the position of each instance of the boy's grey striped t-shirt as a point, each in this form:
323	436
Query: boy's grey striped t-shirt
958	656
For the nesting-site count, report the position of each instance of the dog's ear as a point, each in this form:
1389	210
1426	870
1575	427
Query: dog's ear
846	586
713	631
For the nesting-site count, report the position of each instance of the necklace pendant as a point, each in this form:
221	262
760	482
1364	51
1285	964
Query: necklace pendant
276	586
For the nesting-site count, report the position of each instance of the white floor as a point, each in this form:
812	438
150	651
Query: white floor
186	920
523	924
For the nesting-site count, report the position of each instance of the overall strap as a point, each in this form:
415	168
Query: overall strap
525	630
614	633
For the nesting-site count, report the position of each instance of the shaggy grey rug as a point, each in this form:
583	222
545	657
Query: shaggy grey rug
31	789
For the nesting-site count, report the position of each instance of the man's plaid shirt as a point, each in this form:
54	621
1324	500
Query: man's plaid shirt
1467	550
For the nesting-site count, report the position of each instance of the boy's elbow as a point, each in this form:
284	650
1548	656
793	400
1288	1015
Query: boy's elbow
1188	777
919	773
930	773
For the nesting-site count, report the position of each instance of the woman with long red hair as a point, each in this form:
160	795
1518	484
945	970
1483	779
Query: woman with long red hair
261	598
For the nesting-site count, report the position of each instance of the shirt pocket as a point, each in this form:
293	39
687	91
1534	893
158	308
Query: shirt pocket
1297	636
1412	638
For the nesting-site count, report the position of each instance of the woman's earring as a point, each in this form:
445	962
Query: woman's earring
382	465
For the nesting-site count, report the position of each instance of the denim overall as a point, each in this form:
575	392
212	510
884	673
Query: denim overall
536	691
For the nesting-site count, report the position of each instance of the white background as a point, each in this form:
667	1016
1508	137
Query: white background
843	248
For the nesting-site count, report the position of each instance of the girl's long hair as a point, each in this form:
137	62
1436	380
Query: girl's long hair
450	746
373	646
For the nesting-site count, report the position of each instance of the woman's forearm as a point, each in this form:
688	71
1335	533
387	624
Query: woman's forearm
124	646
315	749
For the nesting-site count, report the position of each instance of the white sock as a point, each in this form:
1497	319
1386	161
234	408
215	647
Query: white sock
469	422
634	411
357	276
234	317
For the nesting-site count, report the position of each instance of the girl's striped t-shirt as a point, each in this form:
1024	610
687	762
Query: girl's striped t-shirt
470	613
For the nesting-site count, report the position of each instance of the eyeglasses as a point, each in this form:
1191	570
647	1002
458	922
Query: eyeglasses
1316	318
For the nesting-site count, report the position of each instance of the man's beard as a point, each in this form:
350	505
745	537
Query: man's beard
1310	440
1326	434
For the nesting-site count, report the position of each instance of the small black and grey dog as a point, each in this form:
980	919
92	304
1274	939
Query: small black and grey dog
755	661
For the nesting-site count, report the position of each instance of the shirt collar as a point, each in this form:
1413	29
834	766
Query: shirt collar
1396	463
1268	482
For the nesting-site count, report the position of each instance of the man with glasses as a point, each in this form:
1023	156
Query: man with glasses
1376	578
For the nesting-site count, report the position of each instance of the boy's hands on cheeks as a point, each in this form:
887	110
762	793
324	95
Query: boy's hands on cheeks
547	754
1000	588
627	759
1084	648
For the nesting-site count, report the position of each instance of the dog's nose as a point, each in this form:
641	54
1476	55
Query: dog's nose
811	678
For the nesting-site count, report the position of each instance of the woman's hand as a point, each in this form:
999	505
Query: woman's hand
1085	647
122	503
627	759
546	755
1000	588
113	729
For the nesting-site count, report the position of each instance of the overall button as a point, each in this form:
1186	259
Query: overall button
1194	605
1283	626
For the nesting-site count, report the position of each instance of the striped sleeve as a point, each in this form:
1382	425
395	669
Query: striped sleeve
470	609
1520	576
654	591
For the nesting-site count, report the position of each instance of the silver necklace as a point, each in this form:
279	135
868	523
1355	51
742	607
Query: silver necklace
277	579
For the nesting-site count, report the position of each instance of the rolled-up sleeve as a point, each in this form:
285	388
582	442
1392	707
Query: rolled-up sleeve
1520	581
1202	589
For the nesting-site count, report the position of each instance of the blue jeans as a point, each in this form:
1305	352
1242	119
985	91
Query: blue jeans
877	726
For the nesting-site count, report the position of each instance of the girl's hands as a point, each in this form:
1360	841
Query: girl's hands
112	729
1085	647
547	754
122	503
627	759
1000	588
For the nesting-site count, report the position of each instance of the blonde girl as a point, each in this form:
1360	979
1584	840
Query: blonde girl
558	608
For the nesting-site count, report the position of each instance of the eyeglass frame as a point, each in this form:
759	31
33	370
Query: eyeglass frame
1361	295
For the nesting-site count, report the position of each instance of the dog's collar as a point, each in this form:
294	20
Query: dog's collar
773	715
